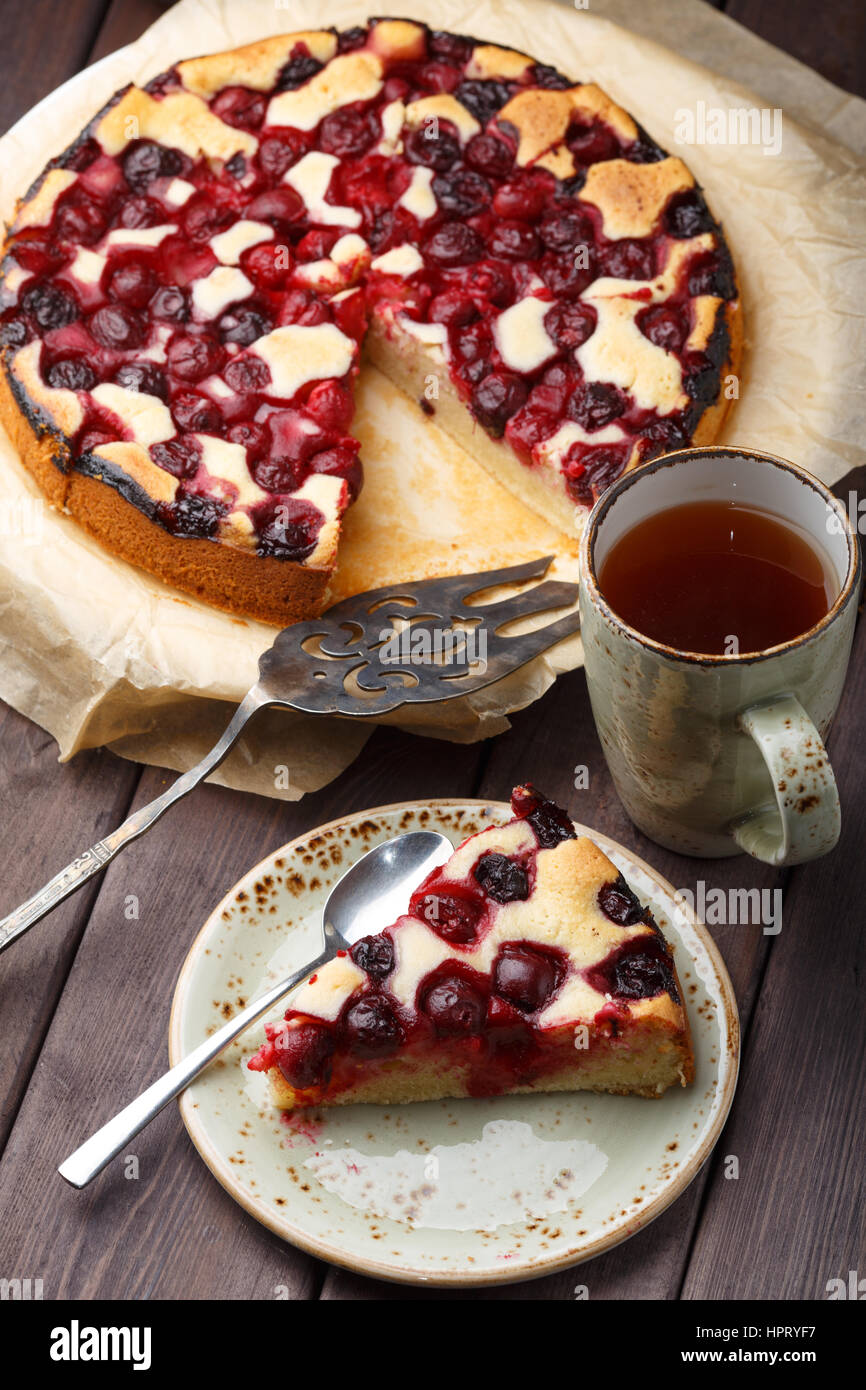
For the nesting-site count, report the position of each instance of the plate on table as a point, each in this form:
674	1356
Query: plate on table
452	1192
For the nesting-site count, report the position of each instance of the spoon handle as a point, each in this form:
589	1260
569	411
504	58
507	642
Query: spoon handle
94	860
96	1152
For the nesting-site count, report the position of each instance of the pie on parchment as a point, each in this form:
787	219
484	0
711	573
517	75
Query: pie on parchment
187	290
525	963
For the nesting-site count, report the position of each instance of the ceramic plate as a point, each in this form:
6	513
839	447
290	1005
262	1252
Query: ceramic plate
449	1192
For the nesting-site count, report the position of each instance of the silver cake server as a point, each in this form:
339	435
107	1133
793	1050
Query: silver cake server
404	644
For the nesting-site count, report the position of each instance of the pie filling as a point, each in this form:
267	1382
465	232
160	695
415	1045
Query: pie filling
525	962
188	305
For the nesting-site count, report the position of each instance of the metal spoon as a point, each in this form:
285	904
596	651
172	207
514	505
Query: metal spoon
372	893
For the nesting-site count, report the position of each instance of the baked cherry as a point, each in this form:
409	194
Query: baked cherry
348	132
145	161
277	153
350	39
372	1026
304	1054
331	406
454	244
453	916
194	358
664	326
434	147
250	436
629	260
170	303
565	275
592	471
139	212
82	155
240	107
375	954
316	244
515	241
596	405
71	374
298	70
453	48
243	325
570	324
526	976
591	144
81	220
142	376
462	193
455	1004
545	76
490	155
276	205
117	326
497	397
49	306
713	274
247	374
453	308
133	282
619	903
178	456
550	823
14	331
687	215
483	98
639	969
196	413
194	516
502	879
564	229
524	199
291	531
268	265
203	218
339	462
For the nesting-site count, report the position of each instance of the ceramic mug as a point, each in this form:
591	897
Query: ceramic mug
713	755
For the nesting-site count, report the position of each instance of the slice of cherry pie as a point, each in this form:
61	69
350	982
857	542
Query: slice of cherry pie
185	291
525	963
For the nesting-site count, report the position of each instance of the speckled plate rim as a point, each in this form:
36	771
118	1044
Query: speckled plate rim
373	1267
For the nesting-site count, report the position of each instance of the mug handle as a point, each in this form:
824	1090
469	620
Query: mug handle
806	820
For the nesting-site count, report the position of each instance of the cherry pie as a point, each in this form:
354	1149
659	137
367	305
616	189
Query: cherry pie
186	290
525	963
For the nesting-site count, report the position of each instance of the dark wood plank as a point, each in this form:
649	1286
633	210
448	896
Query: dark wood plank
50	814
830	38
125	21
173	1233
44	44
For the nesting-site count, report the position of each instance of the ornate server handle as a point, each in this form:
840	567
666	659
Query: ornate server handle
93	860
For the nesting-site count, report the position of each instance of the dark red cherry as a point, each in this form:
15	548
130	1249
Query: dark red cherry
194	358
145	161
454	244
82	155
117	326
490	155
170	303
451	48
276	205
629	260
502	879
570	324
619	903
591	144
240	107
71	374
193	515
639	969
437	147
453	308
339	462
375	954
49	306
132	282
203	218
348	132
563	229
687	215
515	241
331	406
268	265
550	823
566	276
593	471
451	915
81	220
527	976
372	1026
142	376
14	331
277	153
243	325
664	326
455	1005
178	456
195	413
247	374
483	98
298	70
303	1054
524	199
545	76
596	405
462	193
290	531
140	212
250	436
496	398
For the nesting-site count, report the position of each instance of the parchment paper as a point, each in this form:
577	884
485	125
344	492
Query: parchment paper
99	653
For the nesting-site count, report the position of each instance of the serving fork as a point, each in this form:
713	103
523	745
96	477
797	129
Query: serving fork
415	643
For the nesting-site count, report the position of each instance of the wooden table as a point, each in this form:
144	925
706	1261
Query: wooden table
85	997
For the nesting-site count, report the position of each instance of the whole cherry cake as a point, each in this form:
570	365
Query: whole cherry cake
525	963
186	290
